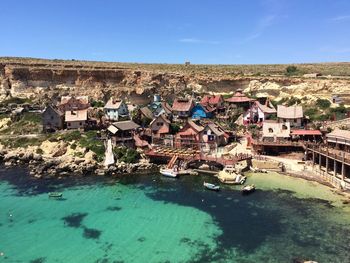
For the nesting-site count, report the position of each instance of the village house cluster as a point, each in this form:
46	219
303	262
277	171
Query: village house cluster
196	123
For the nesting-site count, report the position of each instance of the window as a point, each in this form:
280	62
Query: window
51	117
270	130
68	124
80	123
211	137
284	127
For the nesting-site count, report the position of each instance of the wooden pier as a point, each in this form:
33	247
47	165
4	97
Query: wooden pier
190	155
336	162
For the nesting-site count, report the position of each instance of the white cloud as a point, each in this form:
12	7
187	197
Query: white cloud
198	41
340	18
264	23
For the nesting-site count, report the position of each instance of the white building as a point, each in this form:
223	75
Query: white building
258	113
276	130
292	114
115	109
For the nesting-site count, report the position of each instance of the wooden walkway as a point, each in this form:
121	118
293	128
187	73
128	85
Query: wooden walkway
198	156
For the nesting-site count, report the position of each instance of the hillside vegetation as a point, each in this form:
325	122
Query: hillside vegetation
334	69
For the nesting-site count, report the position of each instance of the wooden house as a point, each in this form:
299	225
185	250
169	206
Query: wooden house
69	103
115	109
214	101
160	126
258	113
275	131
182	108
339	139
52	118
293	114
76	119
202	111
239	100
214	134
123	132
189	135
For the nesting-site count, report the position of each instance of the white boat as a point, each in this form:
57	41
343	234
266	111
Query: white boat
211	186
240	179
169	172
248	189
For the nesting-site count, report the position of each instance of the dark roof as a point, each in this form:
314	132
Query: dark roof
55	109
126	125
147	112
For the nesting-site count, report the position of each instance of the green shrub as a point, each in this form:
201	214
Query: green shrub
97	104
291	70
126	155
293	101
323	103
174	128
39	151
71	136
90	141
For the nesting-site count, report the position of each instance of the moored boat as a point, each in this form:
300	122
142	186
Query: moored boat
240	179
169	173
248	189
211	186
55	194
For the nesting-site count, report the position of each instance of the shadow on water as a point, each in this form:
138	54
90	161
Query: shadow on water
25	185
246	222
74	220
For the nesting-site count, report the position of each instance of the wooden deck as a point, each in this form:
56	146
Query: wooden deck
192	155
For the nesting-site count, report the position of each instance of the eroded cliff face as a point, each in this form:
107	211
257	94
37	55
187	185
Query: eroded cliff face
47	81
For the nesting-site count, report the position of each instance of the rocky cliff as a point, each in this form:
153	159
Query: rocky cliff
47	79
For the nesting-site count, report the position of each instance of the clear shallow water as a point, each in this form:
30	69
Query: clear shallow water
156	219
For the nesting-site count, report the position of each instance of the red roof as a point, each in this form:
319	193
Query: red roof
306	132
239	97
211	99
182	105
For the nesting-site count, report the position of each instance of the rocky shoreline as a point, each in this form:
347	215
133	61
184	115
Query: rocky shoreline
40	166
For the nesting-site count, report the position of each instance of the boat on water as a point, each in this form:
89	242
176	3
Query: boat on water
240	179
248	189
211	186
169	172
257	170
230	175
55	194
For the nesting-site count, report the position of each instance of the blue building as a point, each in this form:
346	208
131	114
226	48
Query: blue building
201	112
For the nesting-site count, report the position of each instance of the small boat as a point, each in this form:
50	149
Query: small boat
211	186
240	179
169	173
248	189
55	194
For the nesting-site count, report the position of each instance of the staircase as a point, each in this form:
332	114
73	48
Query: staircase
172	162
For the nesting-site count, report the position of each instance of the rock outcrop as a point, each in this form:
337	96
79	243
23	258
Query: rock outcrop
47	79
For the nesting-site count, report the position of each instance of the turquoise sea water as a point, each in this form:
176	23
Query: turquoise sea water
150	218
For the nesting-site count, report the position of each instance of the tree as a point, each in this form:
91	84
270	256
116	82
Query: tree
323	103
291	70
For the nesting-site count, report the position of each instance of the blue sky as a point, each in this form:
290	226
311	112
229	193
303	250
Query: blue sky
164	31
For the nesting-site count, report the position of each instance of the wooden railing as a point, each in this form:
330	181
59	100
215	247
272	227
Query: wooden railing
338	155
